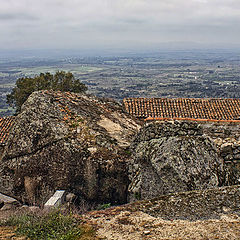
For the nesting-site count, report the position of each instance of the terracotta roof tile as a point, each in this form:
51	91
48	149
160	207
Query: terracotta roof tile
5	126
188	108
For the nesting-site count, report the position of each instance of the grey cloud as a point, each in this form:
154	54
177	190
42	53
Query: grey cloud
77	23
17	16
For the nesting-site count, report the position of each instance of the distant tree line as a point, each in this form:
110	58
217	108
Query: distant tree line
60	81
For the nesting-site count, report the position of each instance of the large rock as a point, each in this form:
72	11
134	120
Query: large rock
68	141
173	157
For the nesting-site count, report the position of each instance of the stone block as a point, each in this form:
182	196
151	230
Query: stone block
7	199
56	200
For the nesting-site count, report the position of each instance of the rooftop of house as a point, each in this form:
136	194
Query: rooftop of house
5	125
184	108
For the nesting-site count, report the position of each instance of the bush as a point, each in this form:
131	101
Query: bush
103	206
53	225
60	81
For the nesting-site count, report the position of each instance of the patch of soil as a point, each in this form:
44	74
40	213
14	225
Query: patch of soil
8	233
124	225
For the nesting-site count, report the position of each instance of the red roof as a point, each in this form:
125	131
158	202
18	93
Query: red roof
191	108
5	126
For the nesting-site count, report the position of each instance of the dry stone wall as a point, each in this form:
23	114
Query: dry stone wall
226	136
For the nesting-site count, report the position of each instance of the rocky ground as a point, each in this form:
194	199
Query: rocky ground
207	214
203	214
125	225
119	224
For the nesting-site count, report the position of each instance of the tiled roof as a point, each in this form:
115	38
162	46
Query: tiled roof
183	108
5	126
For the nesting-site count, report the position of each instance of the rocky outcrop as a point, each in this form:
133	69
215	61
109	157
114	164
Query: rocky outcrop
68	141
173	157
205	214
192	205
80	143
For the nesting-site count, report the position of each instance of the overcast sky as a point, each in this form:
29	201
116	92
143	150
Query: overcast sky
70	24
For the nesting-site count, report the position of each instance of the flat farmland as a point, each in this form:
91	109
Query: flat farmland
168	74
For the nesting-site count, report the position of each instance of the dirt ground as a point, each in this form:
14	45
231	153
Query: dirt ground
120	224
8	233
126	225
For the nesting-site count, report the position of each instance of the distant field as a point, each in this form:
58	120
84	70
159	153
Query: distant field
68	68
5	110
169	74
7	85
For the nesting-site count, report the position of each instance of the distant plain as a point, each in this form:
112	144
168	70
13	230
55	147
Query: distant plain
196	74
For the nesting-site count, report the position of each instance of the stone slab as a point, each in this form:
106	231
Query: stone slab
56	200
7	199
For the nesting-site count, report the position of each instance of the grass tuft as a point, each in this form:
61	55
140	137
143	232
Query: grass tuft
53	225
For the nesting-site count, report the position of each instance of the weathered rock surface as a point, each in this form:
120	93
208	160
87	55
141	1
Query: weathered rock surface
194	205
205	214
173	157
68	141
191	205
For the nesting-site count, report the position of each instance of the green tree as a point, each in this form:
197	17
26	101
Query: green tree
60	81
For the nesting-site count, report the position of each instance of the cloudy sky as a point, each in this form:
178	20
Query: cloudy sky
71	24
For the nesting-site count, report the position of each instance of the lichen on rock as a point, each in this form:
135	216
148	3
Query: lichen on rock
173	157
59	141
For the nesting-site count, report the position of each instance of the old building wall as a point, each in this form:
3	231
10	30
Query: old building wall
222	132
227	138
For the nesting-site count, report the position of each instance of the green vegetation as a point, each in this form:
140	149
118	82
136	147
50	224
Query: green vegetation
103	206
60	81
54	225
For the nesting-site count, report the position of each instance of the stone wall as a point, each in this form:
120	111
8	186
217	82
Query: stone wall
227	139
222	130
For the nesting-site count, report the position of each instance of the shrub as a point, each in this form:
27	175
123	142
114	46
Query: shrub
60	81
103	206
53	225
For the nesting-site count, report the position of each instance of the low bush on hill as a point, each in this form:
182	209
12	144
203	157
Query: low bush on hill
52	225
